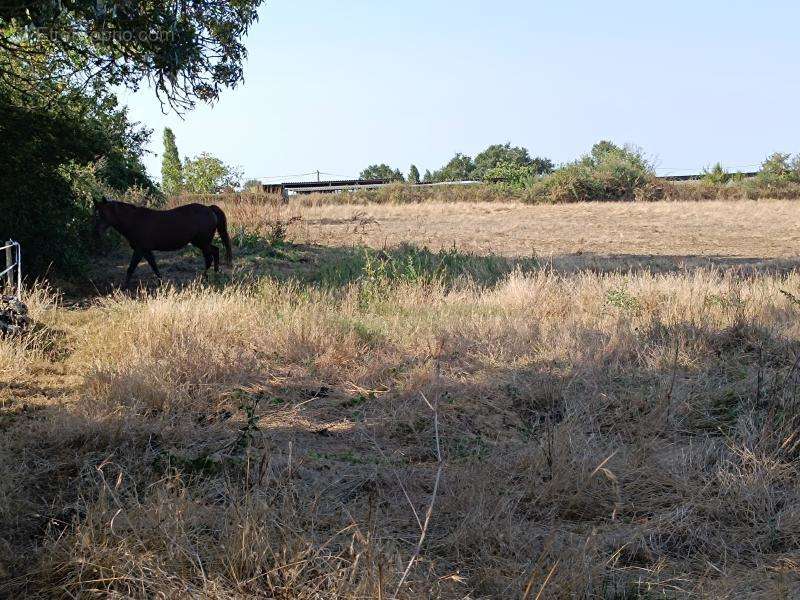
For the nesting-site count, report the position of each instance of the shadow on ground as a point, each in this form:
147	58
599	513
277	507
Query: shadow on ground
338	266
522	442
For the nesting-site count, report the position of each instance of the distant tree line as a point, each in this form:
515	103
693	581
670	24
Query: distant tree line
499	162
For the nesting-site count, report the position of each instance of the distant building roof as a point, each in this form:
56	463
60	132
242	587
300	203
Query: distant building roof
335	183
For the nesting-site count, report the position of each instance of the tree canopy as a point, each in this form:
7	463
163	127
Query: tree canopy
459	168
506	154
187	51
505	157
207	174
56	160
413	174
381	171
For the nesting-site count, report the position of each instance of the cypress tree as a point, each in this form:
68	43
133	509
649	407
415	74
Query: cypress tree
171	169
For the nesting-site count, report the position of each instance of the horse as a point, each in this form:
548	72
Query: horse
147	230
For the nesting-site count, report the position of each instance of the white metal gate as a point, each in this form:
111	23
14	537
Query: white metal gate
13	268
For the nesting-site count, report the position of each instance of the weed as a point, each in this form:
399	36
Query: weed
622	299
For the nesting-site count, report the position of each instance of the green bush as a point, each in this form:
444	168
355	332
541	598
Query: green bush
37	205
609	172
716	175
514	175
459	168
506	157
778	171
57	157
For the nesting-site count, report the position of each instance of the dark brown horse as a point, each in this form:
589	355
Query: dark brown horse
147	230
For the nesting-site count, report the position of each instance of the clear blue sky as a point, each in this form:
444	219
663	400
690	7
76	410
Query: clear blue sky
337	85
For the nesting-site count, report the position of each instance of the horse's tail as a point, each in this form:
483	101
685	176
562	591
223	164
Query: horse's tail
222	229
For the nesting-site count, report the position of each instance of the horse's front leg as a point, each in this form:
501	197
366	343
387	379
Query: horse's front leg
151	260
135	260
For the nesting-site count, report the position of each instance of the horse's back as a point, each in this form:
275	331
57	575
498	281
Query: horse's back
172	229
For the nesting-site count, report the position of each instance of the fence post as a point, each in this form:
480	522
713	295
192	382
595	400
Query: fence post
19	270
9	262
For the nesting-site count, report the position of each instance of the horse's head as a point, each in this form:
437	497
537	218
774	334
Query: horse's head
101	216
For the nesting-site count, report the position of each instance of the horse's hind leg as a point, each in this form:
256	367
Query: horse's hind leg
135	260
207	256
151	260
215	256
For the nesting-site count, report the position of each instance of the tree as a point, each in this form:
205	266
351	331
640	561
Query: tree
428	178
413	174
608	172
506	154
604	149
460	168
777	164
780	168
381	171
717	175
542	166
252	185
513	174
207	174
187	51
57	158
498	154
171	169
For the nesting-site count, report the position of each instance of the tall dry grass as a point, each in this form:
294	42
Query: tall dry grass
604	436
19	355
566	192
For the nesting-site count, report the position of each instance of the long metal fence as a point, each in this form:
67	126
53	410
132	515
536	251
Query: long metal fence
13	269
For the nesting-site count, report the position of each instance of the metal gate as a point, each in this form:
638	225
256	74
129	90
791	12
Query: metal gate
13	268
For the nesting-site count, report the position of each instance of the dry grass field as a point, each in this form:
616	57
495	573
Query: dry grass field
418	401
692	233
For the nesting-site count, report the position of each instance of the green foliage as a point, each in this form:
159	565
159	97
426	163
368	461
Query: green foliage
608	172
499	163
716	175
65	140
58	156
171	168
780	169
499	155
207	174
37	206
460	168
542	166
413	174
375	272
515	175
623	300
214	461
187	52
381	171
249	429
778	164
